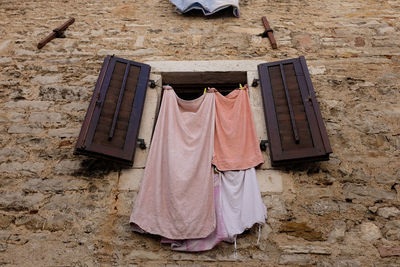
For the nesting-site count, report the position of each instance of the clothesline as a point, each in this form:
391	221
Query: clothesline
240	87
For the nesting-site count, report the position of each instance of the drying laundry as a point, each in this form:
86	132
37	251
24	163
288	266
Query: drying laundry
218	235
241	202
207	6
176	195
179	199
238	206
236	146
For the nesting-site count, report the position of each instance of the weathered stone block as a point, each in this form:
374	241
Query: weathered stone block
139	41
12	201
267	160
54	185
323	206
302	41
276	207
269	181
6	220
297	259
144	255
306	249
392	229
385	30
230	257
259	121
346	263
255	94
45	117
316	70
15	167
90	79
386	212
370	232
301	230
136	53
386	178
337	234
56	222
24	129
58	92
366	193
32	222
147	123
16	116
47	79
67	166
359	42
75	106
5	60
33	141
23	52
64	132
261	256
323	263
26	104
130	179
389	251
265	231
125	203
9	153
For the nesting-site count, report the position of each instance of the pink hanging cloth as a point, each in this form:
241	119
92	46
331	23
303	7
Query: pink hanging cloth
218	235
176	194
236	146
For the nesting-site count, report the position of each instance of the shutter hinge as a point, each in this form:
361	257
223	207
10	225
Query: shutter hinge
141	143
263	145
152	83
255	82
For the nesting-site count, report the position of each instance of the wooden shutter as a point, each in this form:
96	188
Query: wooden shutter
295	128
112	121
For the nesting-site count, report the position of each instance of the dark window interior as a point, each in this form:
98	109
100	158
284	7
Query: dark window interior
190	85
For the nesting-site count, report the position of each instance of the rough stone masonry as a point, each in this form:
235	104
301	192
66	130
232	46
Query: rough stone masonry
57	209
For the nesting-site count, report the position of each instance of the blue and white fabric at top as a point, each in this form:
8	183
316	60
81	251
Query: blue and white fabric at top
207	6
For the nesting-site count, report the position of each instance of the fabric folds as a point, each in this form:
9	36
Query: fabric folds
218	235
241	202
238	206
181	199
236	146
176	195
207	6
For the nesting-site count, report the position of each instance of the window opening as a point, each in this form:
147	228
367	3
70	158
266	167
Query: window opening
190	85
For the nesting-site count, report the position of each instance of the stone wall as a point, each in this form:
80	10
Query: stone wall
59	209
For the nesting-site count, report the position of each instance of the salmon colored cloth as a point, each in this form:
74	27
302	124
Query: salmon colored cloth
176	195
236	146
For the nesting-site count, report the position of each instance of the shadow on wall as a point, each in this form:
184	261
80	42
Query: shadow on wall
96	168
